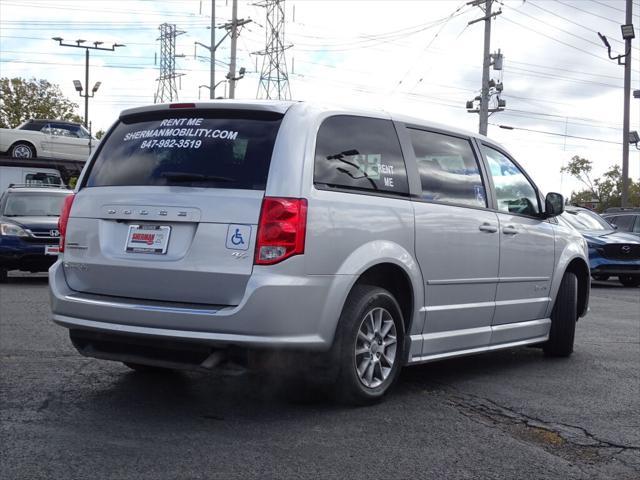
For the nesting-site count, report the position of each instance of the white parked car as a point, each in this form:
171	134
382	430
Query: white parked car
47	138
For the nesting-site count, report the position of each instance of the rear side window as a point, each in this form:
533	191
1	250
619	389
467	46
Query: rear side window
188	148
623	222
360	153
448	169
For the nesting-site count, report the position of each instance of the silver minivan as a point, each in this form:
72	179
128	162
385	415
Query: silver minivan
348	243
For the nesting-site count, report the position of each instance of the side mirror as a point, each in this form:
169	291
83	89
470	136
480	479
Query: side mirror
553	204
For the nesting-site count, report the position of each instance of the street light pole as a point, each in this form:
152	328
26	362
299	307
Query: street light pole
628	34
96	46
627	102
86	85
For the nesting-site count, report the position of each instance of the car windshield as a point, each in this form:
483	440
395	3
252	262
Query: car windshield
33	204
585	220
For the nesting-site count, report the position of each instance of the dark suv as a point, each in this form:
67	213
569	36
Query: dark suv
624	219
29	228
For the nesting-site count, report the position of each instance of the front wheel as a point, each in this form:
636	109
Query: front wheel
563	318
22	150
629	280
369	343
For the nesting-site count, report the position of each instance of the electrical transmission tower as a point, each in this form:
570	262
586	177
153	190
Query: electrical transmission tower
274	80
167	90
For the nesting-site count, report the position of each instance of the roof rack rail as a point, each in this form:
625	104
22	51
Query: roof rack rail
39	185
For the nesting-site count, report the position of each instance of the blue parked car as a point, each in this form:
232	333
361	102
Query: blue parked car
29	234
611	253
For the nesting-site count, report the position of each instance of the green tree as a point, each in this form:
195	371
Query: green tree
22	99
100	134
607	189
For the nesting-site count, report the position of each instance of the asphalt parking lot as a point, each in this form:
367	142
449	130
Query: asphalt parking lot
510	414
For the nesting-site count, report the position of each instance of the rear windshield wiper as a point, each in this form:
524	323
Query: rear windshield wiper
194	177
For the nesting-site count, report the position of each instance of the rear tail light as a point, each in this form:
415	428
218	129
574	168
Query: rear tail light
64	219
281	229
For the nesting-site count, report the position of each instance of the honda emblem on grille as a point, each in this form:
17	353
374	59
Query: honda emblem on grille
626	249
54	233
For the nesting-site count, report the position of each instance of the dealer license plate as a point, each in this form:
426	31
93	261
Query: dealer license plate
51	249
148	239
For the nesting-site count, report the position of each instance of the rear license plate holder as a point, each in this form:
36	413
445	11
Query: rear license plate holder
150	239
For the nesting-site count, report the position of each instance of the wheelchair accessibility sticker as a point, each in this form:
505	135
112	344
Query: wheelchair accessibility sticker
238	237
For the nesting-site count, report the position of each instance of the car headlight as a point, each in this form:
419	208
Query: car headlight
12	230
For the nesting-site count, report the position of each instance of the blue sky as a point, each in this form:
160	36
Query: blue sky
414	57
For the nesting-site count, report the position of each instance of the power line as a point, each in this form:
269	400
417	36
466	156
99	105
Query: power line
615	77
509	127
553	26
429	44
587	12
557	40
572	22
607	5
558	77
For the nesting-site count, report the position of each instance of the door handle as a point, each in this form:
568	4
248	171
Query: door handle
510	230
487	227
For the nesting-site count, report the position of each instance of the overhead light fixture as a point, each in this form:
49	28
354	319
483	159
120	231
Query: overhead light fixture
634	137
77	85
57	39
604	40
627	31
96	87
79	41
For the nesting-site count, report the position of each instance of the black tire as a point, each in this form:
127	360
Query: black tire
601	277
362	300
22	150
4	275
138	367
563	318
629	280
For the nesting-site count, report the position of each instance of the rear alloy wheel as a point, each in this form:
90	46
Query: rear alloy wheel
22	150
563	318
601	277
629	280
369	343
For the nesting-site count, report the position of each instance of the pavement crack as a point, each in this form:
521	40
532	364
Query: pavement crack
571	442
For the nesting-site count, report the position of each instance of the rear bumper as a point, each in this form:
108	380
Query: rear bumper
277	311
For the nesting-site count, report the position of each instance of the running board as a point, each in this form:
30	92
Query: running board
456	343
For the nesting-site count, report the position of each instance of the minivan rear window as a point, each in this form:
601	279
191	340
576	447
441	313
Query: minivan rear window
193	148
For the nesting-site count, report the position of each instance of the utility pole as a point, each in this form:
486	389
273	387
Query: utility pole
77	84
627	102
234	42
212	68
484	94
486	61
628	34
